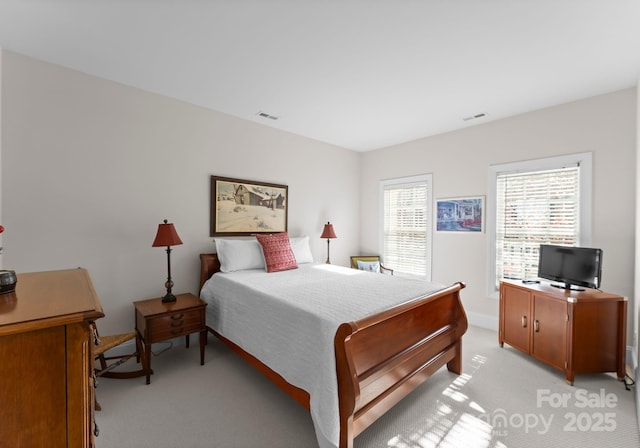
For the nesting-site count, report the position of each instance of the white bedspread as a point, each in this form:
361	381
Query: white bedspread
288	320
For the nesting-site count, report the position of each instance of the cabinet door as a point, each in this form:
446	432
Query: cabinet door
33	401
549	342
515	319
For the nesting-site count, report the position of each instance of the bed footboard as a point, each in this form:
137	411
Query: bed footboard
382	358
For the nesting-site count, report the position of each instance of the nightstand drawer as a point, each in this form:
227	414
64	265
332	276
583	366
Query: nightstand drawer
175	325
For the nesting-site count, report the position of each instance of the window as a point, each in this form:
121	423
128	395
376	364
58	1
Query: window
407	224
537	202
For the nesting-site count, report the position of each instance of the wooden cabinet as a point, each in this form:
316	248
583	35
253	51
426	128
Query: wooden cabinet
46	363
572	331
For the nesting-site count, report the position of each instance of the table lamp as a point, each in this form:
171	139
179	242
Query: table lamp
329	234
167	236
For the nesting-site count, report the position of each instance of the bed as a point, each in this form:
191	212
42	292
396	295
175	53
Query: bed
361	365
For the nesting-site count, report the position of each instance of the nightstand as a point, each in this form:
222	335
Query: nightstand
157	321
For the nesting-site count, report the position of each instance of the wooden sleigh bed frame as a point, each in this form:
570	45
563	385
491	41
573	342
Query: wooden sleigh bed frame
381	358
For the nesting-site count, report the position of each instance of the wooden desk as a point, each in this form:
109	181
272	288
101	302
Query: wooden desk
157	321
46	364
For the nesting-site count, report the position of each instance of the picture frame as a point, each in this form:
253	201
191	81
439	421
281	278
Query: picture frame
244	207
460	215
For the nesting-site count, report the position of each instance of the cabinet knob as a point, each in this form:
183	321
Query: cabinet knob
524	321
536	326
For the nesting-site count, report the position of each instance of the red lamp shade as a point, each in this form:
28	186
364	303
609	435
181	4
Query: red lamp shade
166	236
328	231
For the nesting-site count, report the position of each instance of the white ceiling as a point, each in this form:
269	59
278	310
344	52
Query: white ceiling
361	74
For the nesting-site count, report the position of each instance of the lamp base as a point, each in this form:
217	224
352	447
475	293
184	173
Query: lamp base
169	298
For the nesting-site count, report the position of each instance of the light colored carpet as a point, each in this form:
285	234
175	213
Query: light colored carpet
503	399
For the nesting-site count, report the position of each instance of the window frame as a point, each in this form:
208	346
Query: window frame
584	160
408	180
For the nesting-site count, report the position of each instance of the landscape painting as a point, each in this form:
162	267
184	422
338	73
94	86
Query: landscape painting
244	207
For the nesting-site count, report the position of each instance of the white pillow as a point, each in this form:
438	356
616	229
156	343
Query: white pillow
371	266
301	249
237	255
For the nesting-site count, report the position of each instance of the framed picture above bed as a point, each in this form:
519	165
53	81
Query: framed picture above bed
460	214
246	207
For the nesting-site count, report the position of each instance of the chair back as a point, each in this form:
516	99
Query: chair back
364	259
369	263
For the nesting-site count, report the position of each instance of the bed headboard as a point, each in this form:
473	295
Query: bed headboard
209	265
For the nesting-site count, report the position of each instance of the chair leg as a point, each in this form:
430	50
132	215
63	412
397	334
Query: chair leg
141	354
103	362
139	349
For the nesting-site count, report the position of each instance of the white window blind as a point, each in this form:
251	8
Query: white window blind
406	228
533	208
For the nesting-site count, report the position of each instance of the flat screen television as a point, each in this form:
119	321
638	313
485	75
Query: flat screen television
572	266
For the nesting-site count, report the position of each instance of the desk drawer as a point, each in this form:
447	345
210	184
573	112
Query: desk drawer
179	324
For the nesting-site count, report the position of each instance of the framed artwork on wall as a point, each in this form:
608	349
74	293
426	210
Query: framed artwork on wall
463	215
245	207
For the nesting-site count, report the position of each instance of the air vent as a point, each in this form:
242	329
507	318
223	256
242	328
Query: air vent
266	115
474	117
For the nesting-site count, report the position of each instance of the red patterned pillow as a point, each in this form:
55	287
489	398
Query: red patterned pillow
278	255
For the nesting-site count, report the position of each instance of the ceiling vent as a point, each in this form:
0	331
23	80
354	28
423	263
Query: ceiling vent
474	117
266	115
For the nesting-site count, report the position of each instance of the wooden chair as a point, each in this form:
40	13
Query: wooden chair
102	344
369	263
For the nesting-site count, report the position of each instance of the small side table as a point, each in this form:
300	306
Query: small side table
157	321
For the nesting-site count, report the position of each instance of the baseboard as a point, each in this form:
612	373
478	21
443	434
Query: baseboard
632	363
483	321
632	371
476	319
130	346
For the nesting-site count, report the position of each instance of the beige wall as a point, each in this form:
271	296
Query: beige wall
1	221
91	167
459	161
635	314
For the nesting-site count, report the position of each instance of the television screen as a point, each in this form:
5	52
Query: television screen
579	266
